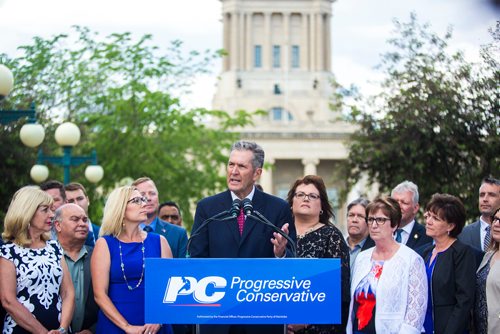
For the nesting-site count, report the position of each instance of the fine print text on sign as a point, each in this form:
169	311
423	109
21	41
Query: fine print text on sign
242	291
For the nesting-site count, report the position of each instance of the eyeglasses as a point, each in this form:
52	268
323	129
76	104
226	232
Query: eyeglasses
168	217
138	200
495	220
378	220
353	216
430	216
302	196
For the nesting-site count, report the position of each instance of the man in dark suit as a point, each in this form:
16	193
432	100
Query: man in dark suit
175	235
489	200
358	237
409	232
226	239
71	225
76	193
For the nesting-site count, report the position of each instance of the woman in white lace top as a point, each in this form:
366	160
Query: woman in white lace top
388	286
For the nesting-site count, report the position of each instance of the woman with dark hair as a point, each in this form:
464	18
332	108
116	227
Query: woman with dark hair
35	285
388	287
450	267
317	237
487	303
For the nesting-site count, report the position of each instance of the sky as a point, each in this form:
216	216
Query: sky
360	28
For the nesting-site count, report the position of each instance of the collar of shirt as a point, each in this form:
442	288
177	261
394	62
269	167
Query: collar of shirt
358	245
250	196
82	254
91	229
408	227
484	224
152	225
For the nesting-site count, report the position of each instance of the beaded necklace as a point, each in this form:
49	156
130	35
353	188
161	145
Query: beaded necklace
122	265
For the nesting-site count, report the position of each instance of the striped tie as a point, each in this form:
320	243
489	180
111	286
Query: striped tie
487	239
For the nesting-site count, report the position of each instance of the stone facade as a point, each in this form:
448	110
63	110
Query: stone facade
279	59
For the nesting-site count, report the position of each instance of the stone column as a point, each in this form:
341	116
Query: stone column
287	48
226	40
249	42
266	179
320	37
267	47
310	166
234	41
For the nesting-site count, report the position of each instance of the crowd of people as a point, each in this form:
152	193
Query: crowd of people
61	273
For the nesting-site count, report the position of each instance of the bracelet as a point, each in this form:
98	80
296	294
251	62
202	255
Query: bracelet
62	330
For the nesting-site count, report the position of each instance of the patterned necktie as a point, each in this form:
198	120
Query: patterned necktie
241	221
399	232
147	228
487	239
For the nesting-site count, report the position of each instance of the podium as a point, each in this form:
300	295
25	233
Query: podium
242	291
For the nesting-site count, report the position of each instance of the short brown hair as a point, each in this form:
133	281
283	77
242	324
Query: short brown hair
450	209
389	206
316	181
75	186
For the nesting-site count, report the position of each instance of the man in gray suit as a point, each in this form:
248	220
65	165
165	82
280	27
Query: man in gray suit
409	232
71	225
478	234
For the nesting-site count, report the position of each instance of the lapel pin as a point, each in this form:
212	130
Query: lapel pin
415	236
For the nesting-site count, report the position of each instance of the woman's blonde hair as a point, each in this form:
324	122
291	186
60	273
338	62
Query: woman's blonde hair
114	211
21	211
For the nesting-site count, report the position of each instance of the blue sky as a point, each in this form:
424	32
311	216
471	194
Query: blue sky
360	28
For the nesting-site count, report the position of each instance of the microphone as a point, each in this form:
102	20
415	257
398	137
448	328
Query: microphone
248	210
232	213
247	206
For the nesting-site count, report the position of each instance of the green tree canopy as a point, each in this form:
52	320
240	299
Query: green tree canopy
126	96
436	121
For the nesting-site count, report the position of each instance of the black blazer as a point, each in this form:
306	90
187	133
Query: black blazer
221	239
369	243
418	237
452	288
2	310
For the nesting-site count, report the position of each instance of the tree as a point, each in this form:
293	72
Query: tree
126	97
436	122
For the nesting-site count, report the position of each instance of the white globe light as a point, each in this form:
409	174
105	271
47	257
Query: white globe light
39	173
32	135
6	81
94	173
67	134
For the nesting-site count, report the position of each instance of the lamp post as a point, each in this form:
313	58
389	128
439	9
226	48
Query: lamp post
32	135
67	135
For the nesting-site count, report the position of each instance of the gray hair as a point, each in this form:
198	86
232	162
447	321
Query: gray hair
407	186
358	201
258	152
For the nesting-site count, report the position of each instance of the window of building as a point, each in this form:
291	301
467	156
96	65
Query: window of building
278	114
276	56
258	56
295	56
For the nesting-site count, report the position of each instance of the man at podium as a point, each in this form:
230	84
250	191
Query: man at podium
242	236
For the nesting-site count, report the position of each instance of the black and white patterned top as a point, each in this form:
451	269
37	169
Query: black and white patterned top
328	242
39	277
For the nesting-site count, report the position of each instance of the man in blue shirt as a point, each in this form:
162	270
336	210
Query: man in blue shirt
175	235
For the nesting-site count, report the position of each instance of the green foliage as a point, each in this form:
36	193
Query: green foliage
436	121
126	96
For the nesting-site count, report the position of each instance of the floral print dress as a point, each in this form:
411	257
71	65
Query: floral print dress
39	277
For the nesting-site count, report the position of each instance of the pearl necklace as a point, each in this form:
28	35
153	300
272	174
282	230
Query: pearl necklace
300	236
122	265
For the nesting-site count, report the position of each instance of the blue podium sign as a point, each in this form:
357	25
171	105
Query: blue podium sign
242	291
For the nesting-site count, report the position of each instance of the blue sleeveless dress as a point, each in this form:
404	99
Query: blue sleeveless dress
130	303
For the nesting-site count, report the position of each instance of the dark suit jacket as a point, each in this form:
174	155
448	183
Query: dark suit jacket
471	235
453	288
175	235
2	310
417	237
221	239
91	308
369	243
92	237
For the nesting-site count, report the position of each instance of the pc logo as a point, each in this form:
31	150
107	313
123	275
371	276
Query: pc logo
203	291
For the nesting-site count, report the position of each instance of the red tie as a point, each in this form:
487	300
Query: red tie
241	221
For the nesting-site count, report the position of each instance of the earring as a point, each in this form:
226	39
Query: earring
320	212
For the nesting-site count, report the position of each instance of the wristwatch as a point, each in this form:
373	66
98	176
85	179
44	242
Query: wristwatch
62	330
